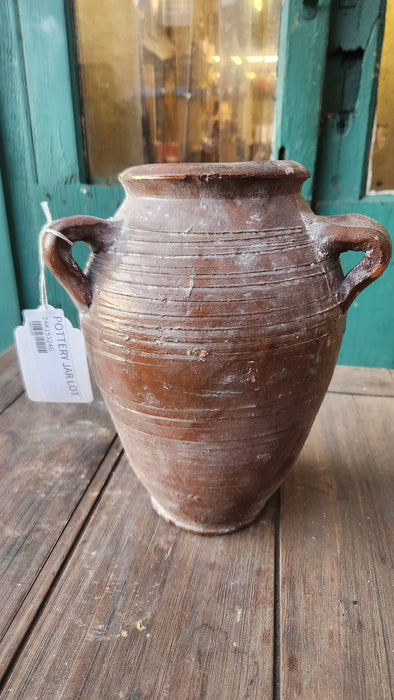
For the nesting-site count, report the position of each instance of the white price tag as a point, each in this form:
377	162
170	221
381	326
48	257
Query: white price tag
52	357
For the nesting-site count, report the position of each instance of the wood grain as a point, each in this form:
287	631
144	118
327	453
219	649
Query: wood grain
362	380
9	302
336	631
45	576
102	598
10	381
49	454
145	610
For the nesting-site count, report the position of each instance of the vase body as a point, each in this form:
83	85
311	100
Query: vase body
214	323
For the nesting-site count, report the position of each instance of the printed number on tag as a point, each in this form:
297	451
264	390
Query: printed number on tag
52	357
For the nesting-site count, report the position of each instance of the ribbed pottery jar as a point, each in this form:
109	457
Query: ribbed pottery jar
213	310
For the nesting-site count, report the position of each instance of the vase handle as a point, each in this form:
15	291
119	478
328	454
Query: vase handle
337	234
98	234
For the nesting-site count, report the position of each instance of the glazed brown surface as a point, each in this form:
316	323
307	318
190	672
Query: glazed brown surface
213	321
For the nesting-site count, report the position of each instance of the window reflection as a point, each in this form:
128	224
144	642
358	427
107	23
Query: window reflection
176	80
382	166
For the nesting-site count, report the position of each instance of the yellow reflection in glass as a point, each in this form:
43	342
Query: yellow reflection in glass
382	162
176	80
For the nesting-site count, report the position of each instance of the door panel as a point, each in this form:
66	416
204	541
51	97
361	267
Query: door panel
9	303
303	42
48	87
348	112
39	139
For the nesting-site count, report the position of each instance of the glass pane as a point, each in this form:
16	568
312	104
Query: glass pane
176	80
382	170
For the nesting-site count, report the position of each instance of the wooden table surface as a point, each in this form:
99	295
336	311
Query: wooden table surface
100	598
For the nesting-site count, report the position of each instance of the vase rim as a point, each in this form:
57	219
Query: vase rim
266	169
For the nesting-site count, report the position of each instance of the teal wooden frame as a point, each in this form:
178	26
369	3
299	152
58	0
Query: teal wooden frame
40	143
9	302
302	49
349	104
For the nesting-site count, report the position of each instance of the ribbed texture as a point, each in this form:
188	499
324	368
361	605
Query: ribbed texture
213	352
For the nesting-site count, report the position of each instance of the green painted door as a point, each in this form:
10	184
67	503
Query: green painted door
347	178
40	136
9	302
49	94
344	179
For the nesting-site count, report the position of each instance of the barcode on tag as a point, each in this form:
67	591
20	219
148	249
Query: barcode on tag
52	357
39	335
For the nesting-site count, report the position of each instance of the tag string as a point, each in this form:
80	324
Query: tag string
47	229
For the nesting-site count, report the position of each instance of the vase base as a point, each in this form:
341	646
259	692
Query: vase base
205	528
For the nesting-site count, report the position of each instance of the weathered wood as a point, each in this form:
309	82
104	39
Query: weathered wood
9	303
362	380
10	381
144	610
336	562
49	454
303	34
48	88
349	100
102	598
41	585
347	117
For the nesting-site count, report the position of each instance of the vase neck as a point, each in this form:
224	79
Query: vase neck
266	178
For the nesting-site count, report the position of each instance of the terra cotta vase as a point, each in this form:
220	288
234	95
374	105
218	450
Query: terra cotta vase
213	309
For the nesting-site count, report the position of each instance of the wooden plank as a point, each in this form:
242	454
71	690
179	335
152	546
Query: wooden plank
335	558
41	585
10	381
145	610
48	85
9	303
14	112
49	454
349	101
362	380
302	51
352	69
